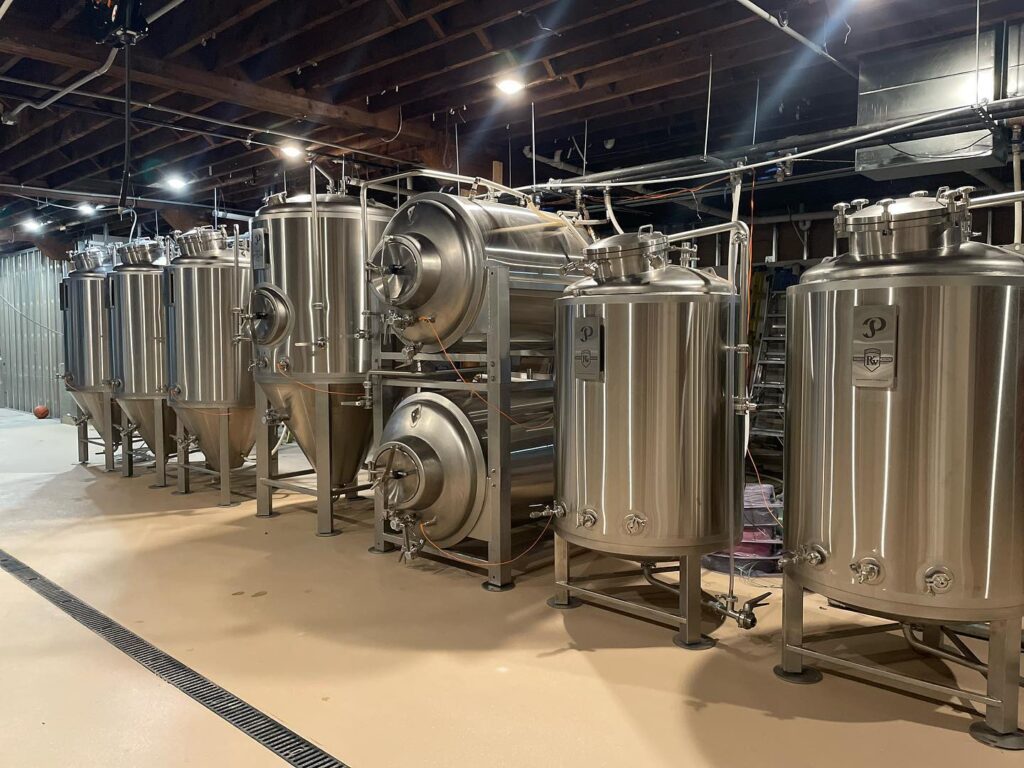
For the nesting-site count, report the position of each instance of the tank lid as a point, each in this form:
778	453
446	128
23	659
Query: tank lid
629	253
672	279
207	242
142	251
92	258
281	203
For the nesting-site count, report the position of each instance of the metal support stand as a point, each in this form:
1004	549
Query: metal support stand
499	376
127	446
184	481
562	599
82	423
266	461
106	419
1002	673
224	454
160	438
689	636
324	497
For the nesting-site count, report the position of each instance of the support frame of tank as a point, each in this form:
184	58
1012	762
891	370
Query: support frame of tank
569	593
1000	728
129	432
269	479
105	428
497	360
184	466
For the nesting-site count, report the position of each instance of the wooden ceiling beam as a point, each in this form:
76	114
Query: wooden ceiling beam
196	23
72	51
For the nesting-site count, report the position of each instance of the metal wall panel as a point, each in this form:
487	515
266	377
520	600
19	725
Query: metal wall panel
31	351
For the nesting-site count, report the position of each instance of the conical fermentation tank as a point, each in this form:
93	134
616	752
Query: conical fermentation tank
138	334
431	462
904	466
84	302
309	307
207	293
430	269
648	447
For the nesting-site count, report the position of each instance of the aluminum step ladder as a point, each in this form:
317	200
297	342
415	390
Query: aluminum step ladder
768	384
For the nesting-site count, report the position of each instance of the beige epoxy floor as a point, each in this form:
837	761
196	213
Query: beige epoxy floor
381	664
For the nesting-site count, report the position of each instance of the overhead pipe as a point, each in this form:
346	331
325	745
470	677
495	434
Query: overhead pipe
5	7
162	10
10	117
819	142
19	190
788	30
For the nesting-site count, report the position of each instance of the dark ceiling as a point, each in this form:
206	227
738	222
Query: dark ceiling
414	81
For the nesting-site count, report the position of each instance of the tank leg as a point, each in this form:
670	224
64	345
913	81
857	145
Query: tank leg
83	437
792	668
324	496
127	441
184	484
106	419
499	475
265	468
689	636
931	635
1000	726
562	599
224	452
160	438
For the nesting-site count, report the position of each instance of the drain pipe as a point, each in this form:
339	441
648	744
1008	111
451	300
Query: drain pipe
1018	207
11	117
744	616
788	30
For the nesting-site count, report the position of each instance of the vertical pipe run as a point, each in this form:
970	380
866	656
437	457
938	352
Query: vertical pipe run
707	118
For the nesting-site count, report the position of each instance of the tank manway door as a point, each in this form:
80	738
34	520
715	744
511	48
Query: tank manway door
874	346
588	348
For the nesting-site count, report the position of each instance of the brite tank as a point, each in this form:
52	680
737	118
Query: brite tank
209	352
84	299
309	313
432	263
903	468
138	334
433	453
647	440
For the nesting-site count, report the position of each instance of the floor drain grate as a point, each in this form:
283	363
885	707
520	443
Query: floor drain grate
286	744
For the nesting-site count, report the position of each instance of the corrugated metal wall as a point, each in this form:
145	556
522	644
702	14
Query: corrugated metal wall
31	352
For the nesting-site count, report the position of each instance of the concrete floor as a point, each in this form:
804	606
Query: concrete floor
379	663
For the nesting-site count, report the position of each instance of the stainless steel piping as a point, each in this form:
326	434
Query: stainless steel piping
5	7
10	117
162	10
788	30
609	212
93	197
990	201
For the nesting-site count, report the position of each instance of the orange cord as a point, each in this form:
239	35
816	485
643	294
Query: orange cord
468	561
476	394
317	389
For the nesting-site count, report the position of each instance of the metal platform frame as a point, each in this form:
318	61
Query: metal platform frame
128	433
567	590
106	430
269	478
1001	673
185	467
497	390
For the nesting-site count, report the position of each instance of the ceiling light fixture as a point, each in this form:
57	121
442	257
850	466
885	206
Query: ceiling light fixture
510	85
176	182
32	225
87	208
292	151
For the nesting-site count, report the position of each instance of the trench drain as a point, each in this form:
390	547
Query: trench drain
283	742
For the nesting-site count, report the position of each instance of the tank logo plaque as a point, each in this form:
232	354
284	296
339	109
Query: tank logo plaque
587	338
874	346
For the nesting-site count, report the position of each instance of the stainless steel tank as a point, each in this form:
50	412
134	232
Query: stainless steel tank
904	470
431	461
138	336
209	353
84	300
432	263
648	442
309	306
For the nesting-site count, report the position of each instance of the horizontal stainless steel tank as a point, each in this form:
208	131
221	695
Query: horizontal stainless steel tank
138	335
309	314
904	468
432	461
84	302
648	448
209	353
432	263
